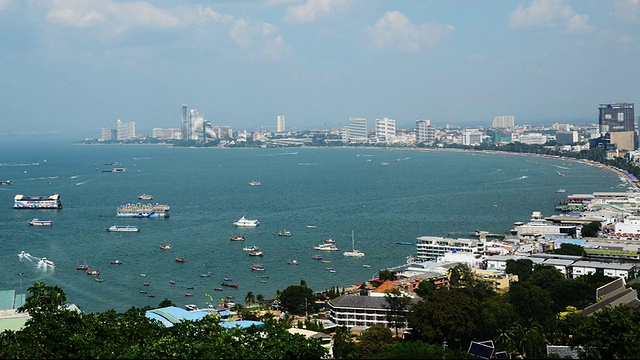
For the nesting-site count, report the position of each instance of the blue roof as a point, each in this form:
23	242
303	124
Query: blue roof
240	323
171	315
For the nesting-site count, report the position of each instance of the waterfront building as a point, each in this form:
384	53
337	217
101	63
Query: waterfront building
472	137
434	247
623	140
533	139
539	228
503	122
166	133
567	137
358	130
385	130
617	117
105	134
425	132
125	131
222	132
280	125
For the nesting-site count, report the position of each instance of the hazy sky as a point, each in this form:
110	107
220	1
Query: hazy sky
76	66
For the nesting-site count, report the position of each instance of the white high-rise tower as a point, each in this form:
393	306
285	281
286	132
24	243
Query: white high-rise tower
280	126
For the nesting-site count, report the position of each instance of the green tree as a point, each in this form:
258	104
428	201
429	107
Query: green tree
522	268
344	345
373	340
397	305
591	229
297	299
386	274
249	299
610	333
424	288
44	300
570	249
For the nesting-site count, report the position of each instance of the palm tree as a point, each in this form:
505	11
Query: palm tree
260	300
249	299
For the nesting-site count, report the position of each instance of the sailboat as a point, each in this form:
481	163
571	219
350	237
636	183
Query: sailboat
353	252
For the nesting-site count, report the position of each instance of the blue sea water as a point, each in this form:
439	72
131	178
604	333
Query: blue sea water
338	190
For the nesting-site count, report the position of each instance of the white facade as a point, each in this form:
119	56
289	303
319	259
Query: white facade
166	133
503	122
358	130
105	134
280	125
385	129
533	139
434	247
425	132
472	137
125	131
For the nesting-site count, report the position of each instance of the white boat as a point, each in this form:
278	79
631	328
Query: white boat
326	247
293	262
246	222
120	228
145	197
250	248
41	222
353	252
255	183
560	191
329	241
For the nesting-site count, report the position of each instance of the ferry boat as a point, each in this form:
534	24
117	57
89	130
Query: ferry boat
326	247
246	222
41	222
143	211
122	228
37	202
145	197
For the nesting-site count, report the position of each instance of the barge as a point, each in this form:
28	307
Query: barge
143	211
37	202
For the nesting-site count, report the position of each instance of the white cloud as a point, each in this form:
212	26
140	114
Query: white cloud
627	10
546	14
117	16
394	30
313	10
251	35
4	4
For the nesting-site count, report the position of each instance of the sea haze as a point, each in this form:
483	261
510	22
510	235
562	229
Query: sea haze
337	190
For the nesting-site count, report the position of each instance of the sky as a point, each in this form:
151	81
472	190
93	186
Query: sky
76	66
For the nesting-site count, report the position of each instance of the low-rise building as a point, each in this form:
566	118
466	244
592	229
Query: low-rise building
434	247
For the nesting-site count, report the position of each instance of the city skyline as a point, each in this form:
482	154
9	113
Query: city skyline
75	66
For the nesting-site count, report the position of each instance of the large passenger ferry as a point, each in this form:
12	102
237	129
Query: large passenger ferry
37	202
143	211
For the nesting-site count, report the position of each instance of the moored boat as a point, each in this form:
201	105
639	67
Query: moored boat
257	267
239	237
41	222
217	288
284	233
353	252
98	279
330	241
143	211
317	257
293	262
82	267
145	197
37	202
256	253
166	246
180	259
116	262
250	248
326	247
188	294
255	183
122	228
230	285
93	271
244	222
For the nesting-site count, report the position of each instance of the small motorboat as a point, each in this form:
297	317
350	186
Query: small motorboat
366	266
117	262
145	284
143	291
293	262
317	257
256	253
143	275
98	279
95	272
172	282
82	267
189	287
239	237
150	295
217	289
166	246
145	197
284	233
227	279
205	275
180	259
188	294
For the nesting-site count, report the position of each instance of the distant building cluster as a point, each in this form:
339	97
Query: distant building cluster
615	132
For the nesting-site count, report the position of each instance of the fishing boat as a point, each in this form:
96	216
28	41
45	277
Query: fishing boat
256	253
317	257
255	183
145	197
93	271
284	233
239	237
257	267
180	259
166	246
98	279
217	288
82	267
122	228
229	285
250	248
41	222
244	222
353	252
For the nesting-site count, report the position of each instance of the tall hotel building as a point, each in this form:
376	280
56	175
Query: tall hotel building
125	131
280	126
385	129
425	132
503	122
616	117
358	130
185	124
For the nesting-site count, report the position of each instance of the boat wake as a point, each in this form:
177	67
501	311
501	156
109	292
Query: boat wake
308	164
42	264
74	177
509	180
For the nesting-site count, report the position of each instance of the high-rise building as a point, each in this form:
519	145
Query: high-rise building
125	131
185	125
503	122
616	117
472	137
385	129
280	126
358	130
105	134
425	132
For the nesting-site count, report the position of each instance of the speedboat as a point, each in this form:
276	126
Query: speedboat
166	247
250	248
180	259
41	222
246	222
317	257
255	183
82	267
326	247
121	228
239	237
293	262
256	253
117	262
